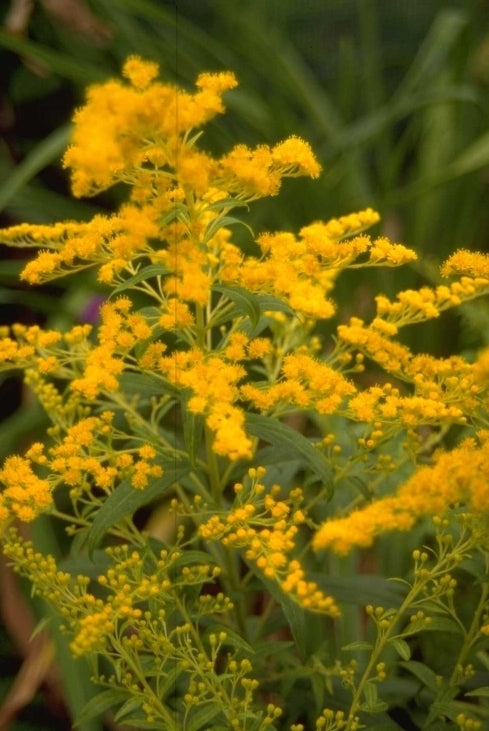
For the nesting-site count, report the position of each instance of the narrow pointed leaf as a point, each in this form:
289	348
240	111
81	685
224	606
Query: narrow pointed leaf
247	302
125	500
402	648
291	441
149	272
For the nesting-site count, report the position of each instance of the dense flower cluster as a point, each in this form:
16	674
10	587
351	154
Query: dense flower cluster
458	477
267	528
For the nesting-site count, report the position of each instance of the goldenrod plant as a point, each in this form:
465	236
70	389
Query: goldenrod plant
234	460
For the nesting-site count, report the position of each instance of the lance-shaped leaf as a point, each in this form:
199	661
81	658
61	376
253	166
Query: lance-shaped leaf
125	500
246	303
289	442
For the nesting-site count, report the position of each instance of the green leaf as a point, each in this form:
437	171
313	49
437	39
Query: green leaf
443	624
269	303
358	645
186	558
233	639
484	691
228	203
444	705
149	272
100	703
125	500
49	149
271	647
318	691
200	717
423	673
131	704
139	722
246	302
167	680
143	385
401	647
69	67
290	442
371	695
78	563
378	707
372	703
360	590
221	222
433	53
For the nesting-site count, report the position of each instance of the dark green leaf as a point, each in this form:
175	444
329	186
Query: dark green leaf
291	441
360	590
233	639
228	203
444	705
221	222
139	722
269	303
49	149
167	679
304	626
69	67
200	717
186	558
378	707
131	704
143	385
149	272
80	564
271	647
484	691
125	500
245	301
100	703
443	624
423	673
372	702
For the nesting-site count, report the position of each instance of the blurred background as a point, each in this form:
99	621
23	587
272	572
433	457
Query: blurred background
392	95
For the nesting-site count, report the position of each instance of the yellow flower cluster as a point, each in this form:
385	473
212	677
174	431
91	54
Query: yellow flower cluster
118	333
266	528
257	173
24	495
213	381
458	477
470	263
302	270
124	127
306	383
141	134
417	305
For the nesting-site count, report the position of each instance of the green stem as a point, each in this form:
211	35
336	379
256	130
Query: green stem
213	469
145	691
382	640
200	327
447	560
472	633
